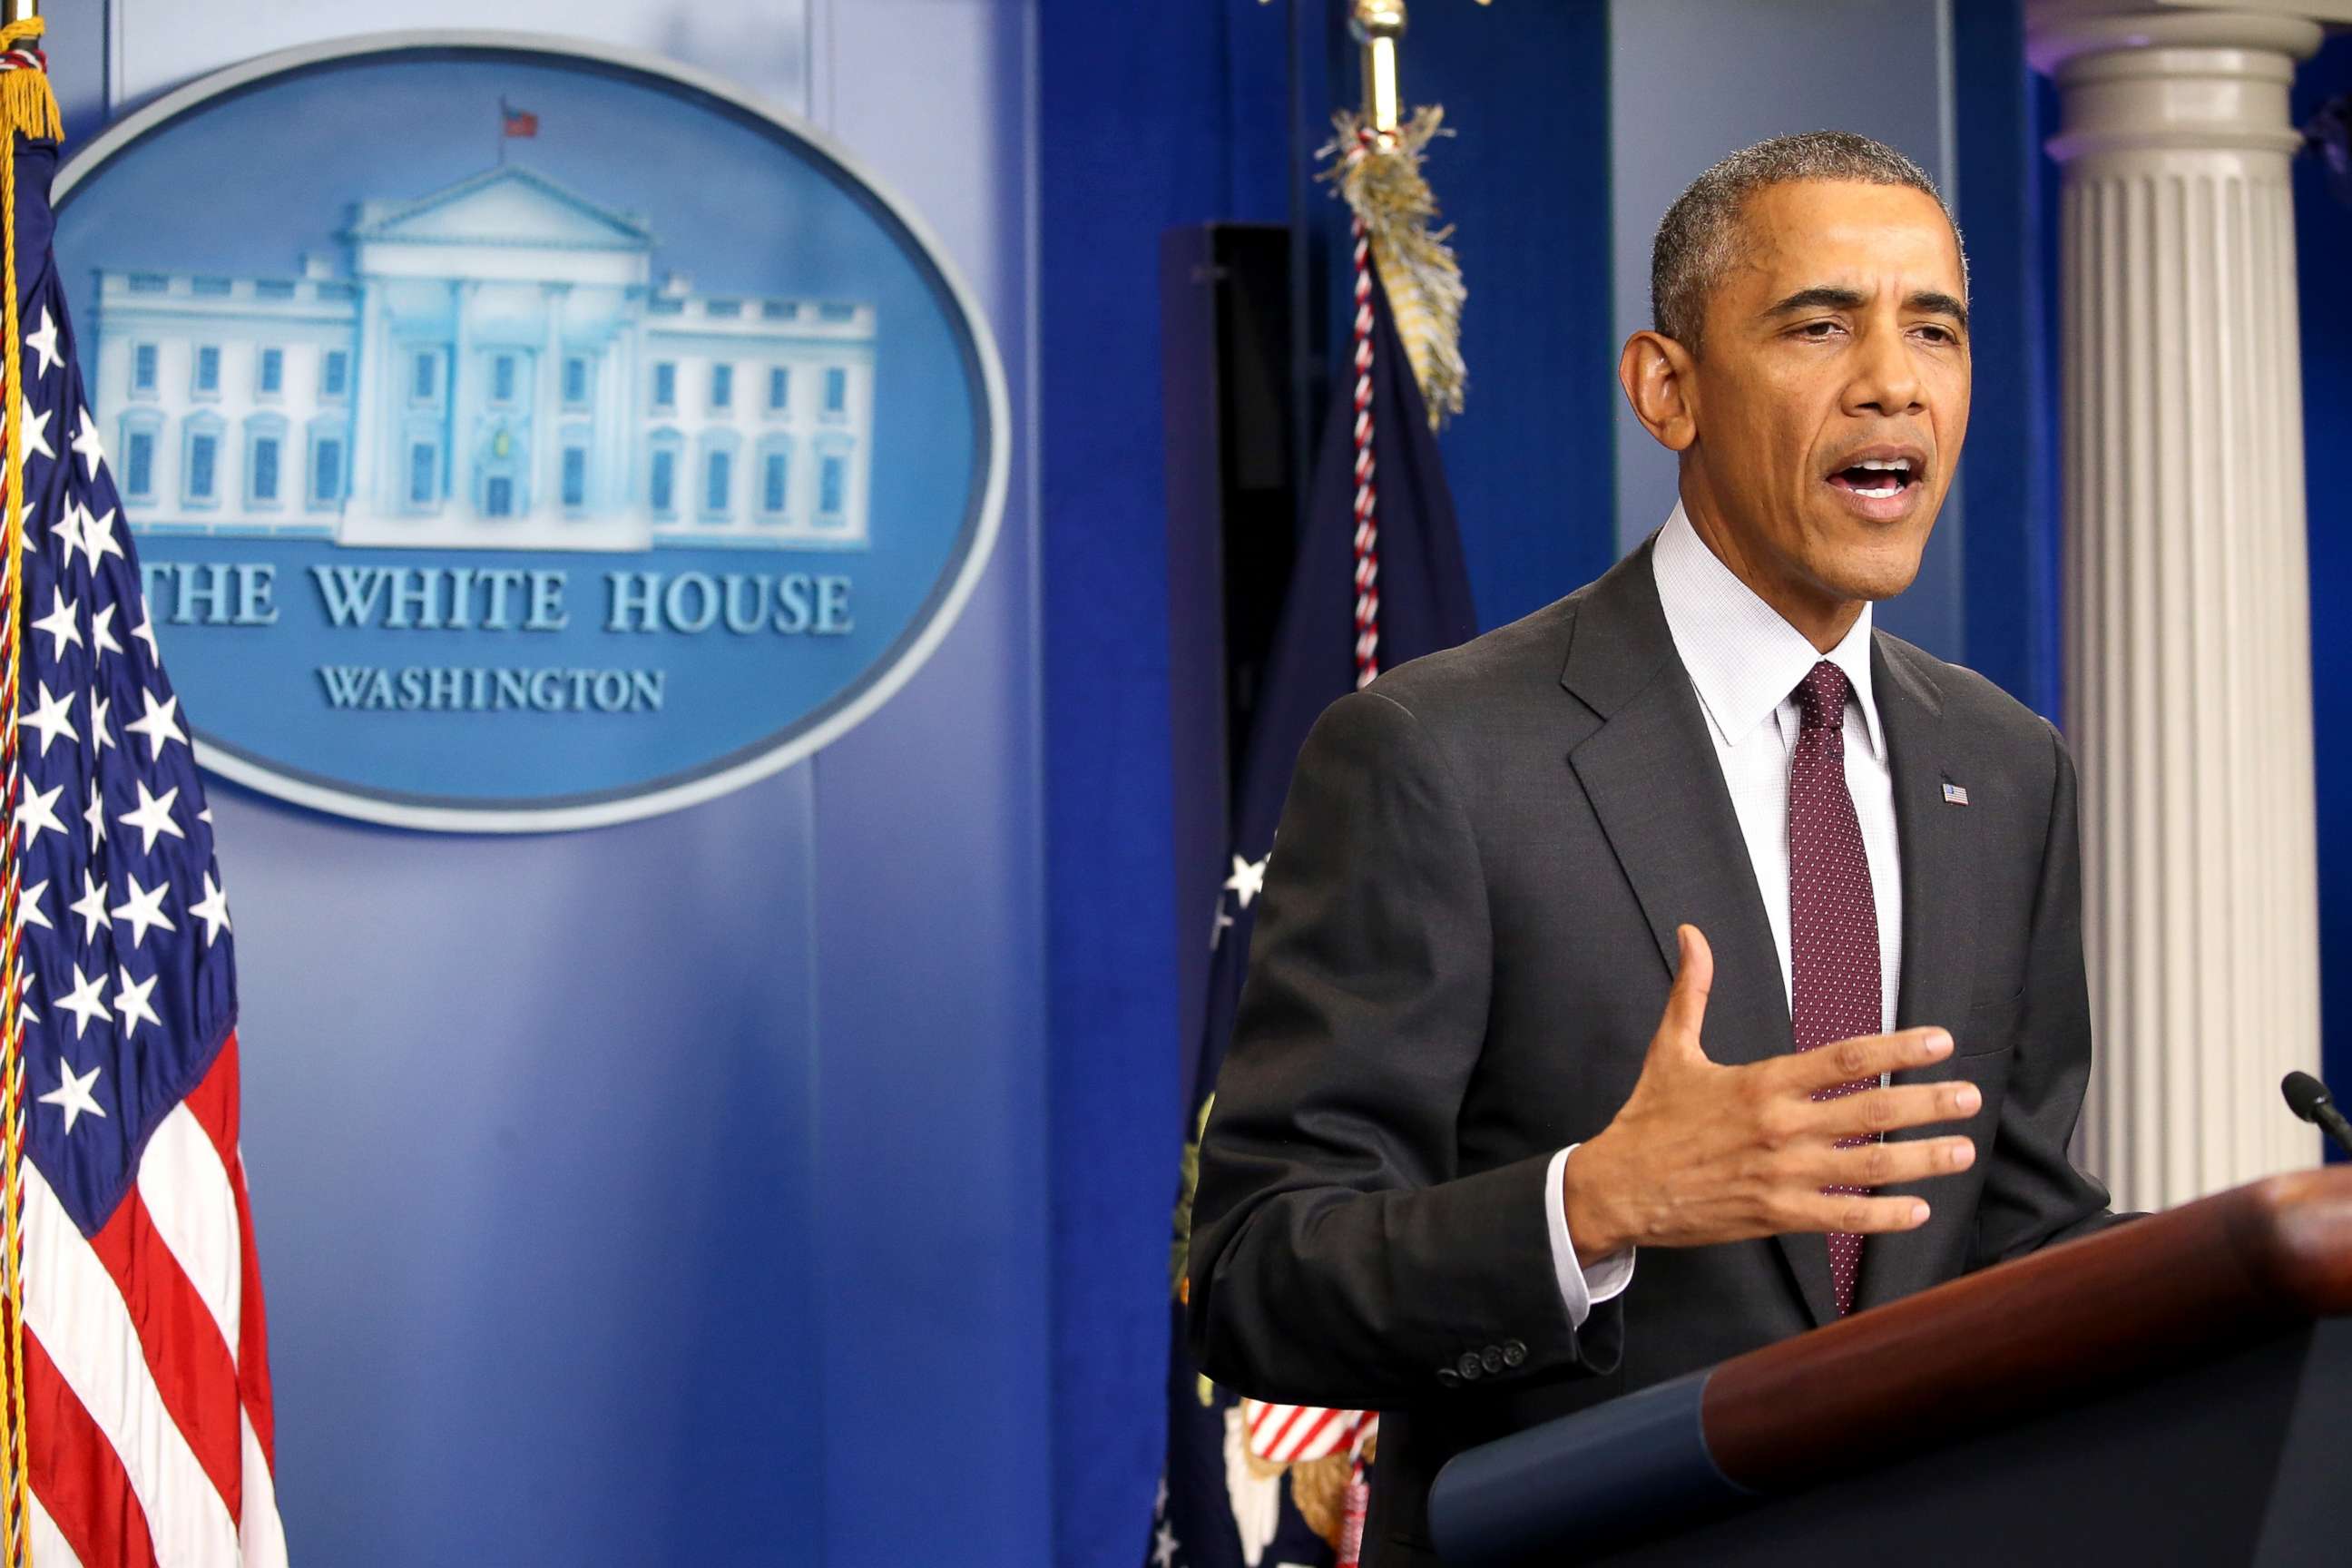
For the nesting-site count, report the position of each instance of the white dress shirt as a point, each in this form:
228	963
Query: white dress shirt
1745	662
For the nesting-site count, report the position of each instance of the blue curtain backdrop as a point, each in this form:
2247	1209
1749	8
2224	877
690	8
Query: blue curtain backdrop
1150	117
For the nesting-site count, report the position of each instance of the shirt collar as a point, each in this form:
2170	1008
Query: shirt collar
1743	659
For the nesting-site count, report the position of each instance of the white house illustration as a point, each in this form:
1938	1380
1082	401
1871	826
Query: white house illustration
498	370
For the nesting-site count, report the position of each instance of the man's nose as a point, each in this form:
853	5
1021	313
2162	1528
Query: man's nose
1884	382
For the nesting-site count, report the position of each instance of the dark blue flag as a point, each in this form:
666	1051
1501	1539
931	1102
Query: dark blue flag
1246	1484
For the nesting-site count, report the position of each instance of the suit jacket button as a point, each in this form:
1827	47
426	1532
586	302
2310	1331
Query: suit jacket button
1449	1378
1514	1352
1492	1360
1470	1366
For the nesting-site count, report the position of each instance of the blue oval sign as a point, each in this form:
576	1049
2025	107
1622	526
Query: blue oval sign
522	435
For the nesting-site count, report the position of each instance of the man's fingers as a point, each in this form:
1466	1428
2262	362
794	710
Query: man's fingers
1694	975
1878	1164
1864	1216
1864	1056
1892	1110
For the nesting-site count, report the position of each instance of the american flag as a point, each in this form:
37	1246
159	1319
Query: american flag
146	1368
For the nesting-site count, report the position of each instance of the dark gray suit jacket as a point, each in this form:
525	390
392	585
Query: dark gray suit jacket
1467	940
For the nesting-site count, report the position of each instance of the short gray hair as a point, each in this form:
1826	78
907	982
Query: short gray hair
1698	237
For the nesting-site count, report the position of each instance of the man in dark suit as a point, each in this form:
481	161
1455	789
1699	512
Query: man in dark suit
1569	1060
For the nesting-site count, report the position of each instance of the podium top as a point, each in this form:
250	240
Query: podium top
1988	1347
1993	1347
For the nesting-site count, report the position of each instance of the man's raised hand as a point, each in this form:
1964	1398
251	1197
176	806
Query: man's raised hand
1703	1153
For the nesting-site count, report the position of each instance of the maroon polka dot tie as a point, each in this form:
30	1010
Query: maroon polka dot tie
1833	916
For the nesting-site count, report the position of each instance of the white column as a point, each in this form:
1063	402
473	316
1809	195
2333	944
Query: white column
459	425
2187	612
374	404
547	410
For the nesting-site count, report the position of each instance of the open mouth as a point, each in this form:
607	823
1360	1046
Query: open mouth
1878	478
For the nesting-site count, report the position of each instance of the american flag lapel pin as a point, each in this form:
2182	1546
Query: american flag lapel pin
1954	794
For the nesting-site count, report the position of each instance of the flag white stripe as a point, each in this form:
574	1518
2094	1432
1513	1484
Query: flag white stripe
185	1188
1318	1433
50	1548
262	1534
71	1303
1291	1433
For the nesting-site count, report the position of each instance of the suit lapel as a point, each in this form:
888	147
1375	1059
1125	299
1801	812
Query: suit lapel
1937	840
1651	776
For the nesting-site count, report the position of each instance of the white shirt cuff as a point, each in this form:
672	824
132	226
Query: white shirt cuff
1580	1289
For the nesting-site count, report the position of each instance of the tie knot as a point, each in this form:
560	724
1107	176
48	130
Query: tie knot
1821	696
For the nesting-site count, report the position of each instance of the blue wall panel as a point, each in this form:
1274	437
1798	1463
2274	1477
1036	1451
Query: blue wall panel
517	1117
2324	252
2007	510
932	1014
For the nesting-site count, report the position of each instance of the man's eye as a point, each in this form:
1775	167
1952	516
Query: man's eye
1817	332
1939	334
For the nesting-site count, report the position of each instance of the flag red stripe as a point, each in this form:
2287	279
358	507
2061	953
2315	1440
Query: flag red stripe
253	1351
214	1104
77	1474
182	1342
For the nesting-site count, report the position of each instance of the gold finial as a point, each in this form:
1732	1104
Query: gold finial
1378	24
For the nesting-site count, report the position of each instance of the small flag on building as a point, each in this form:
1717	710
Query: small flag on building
513	121
1379	579
138	1424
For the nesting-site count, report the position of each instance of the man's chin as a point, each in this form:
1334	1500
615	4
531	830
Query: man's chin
1874	571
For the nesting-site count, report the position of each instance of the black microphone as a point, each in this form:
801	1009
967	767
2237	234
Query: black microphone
2308	1098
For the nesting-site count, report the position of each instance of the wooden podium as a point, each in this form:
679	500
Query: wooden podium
2177	1389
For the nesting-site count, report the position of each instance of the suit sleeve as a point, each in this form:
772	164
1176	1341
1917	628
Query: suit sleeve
1340	1257
2033	1193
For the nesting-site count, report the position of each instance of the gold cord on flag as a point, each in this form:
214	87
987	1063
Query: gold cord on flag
28	108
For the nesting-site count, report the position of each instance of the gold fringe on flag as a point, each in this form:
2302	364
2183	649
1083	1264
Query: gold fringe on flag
1381	180
28	108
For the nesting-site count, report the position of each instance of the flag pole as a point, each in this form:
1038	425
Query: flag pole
28	109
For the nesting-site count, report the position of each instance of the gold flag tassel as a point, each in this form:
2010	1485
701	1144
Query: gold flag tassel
28	109
1379	176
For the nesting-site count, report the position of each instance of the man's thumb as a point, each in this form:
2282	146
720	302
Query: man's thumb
1694	975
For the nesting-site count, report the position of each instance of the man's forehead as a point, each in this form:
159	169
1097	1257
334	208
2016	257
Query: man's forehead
1809	232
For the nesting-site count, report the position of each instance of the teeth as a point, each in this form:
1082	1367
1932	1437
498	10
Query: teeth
1889	465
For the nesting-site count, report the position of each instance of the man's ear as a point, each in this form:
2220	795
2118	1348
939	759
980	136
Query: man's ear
1656	372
